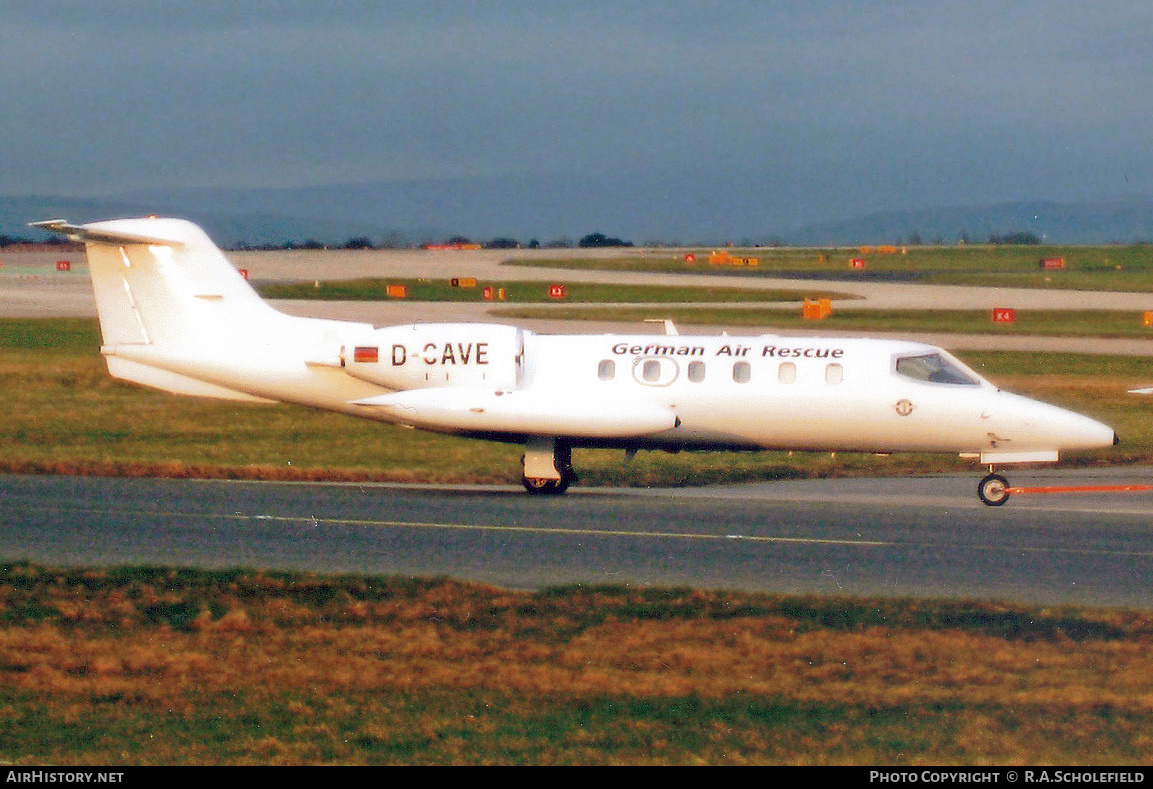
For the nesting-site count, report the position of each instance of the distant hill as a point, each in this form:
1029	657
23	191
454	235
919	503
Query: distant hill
643	211
1105	222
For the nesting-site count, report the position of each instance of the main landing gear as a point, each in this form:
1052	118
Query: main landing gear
548	467
993	490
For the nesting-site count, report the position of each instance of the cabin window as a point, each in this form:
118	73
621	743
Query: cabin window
696	372
606	370
742	372
834	374
655	370
935	368
787	373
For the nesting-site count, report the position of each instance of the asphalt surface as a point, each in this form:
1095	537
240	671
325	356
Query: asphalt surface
920	537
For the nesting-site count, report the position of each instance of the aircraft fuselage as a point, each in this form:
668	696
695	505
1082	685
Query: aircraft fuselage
764	392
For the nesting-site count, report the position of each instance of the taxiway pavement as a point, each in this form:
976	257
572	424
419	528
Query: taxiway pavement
925	537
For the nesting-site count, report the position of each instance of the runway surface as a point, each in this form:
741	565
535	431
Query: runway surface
921	537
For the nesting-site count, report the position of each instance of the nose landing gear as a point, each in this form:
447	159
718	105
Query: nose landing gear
993	490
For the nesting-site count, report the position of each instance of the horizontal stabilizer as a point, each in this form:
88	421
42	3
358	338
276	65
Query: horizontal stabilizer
101	232
522	412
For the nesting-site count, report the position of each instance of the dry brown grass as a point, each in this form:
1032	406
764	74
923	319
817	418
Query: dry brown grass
299	669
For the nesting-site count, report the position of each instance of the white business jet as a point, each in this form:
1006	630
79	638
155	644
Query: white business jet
177	316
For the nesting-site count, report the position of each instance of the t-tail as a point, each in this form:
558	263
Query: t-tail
177	316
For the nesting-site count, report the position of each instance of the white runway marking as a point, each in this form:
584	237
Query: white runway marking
315	521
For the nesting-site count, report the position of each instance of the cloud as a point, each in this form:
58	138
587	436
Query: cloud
832	103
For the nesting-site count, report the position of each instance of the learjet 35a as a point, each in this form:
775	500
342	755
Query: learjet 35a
176	315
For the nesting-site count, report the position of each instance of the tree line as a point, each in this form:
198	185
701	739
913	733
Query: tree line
397	241
593	240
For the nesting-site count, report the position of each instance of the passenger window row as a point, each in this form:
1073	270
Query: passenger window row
650	372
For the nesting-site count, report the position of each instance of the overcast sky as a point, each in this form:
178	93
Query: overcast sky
867	104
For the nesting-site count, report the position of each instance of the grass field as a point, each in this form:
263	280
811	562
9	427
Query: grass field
1109	267
668	302
526	292
129	666
1054	323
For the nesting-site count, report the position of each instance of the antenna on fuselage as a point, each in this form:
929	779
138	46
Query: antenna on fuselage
669	327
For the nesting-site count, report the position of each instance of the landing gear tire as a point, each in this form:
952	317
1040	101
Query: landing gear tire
993	490
546	487
547	465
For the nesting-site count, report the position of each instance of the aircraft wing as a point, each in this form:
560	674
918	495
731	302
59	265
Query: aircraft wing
521	411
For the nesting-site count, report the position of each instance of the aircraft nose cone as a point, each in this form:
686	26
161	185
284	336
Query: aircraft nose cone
1041	425
1085	433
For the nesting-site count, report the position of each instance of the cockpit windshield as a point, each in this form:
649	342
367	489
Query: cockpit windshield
935	368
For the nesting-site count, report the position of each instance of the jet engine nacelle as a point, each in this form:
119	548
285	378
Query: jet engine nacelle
444	354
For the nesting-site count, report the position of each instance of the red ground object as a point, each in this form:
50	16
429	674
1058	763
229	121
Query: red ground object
1081	489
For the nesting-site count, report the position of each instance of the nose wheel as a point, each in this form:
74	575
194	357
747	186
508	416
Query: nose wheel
993	490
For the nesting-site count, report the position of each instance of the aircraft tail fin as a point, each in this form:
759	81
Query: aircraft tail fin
163	281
